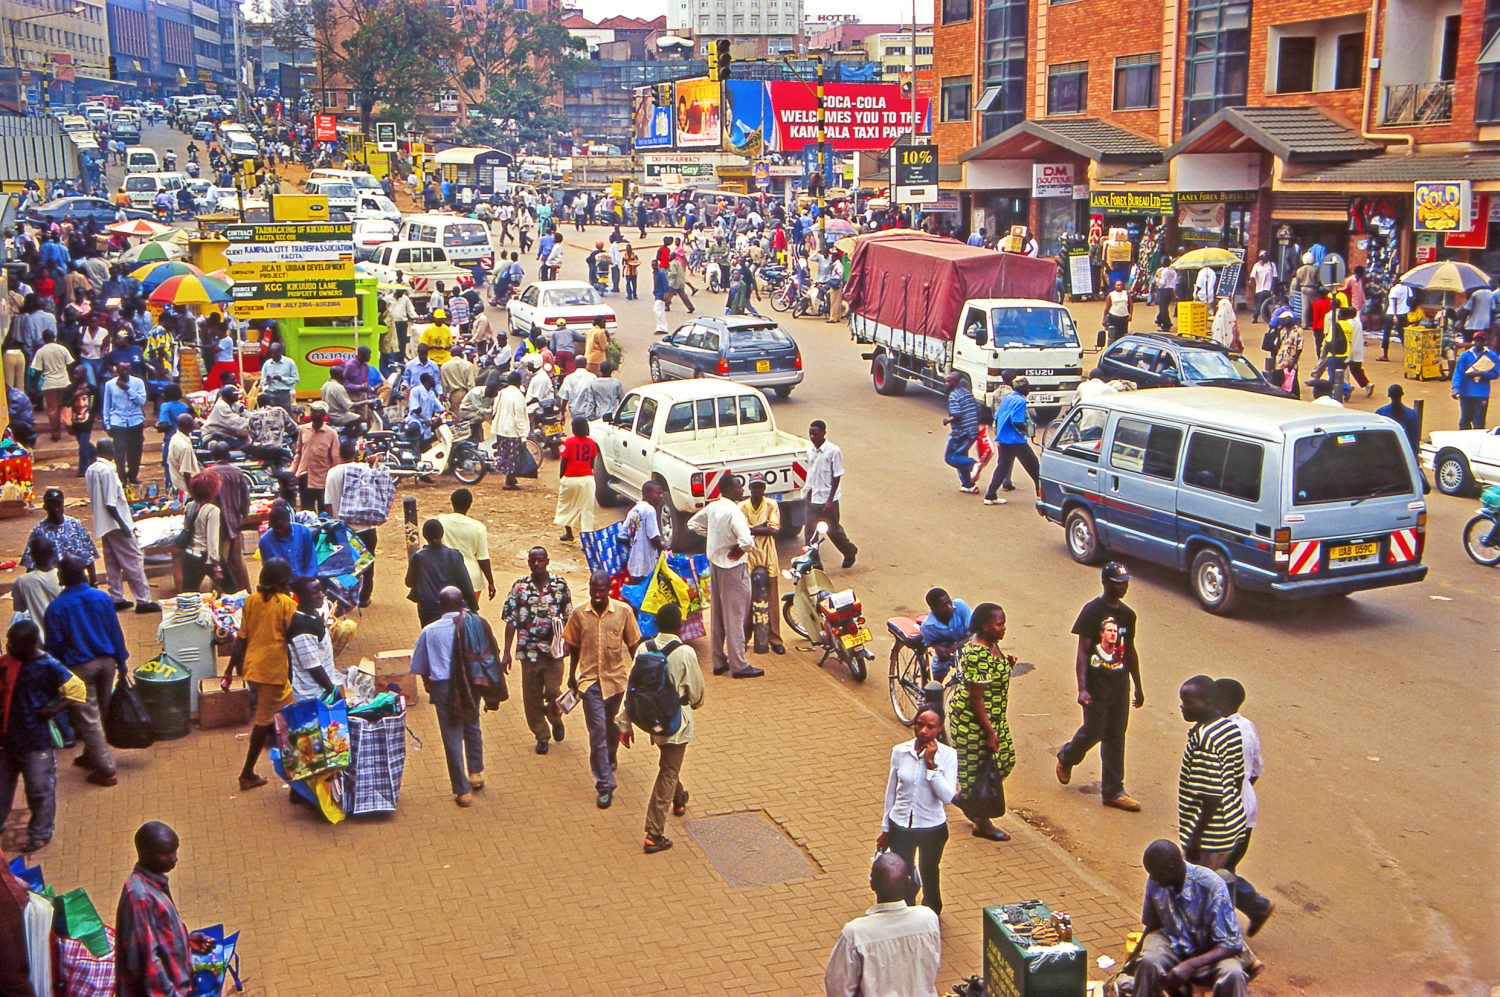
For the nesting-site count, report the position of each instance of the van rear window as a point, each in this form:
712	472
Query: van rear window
1345	467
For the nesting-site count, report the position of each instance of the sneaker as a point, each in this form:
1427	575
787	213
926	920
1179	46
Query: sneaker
656	843
969	489
1123	802
994	501
464	799
1064	772
476	782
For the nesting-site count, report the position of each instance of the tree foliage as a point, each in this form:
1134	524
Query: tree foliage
510	68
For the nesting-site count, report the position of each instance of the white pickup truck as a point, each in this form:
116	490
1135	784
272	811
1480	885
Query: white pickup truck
687	435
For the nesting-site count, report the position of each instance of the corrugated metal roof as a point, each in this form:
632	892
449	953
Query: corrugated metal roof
1403	169
1088	137
1294	134
33	147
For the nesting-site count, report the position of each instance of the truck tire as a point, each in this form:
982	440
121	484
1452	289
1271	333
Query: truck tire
793	518
675	534
883	375
603	493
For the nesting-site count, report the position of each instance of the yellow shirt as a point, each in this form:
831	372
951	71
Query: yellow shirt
764	554
603	641
264	629
595	345
438	336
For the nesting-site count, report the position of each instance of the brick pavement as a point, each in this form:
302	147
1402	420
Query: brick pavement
534	890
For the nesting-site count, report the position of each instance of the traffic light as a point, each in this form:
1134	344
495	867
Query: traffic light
114	68
713	62
664	95
721	48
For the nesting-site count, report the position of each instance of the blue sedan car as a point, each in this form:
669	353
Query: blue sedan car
81	209
747	350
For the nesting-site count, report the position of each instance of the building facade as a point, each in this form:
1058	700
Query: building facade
55	52
1277	125
740	20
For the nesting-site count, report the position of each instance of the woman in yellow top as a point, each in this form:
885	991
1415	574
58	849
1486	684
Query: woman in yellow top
439	337
260	655
596	345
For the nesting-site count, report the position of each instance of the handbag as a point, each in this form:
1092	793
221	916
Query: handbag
184	538
127	725
987	796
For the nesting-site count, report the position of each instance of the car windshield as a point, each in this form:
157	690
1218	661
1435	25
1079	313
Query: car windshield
1343	467
365	182
1035	327
758	337
569	297
1204	365
471	234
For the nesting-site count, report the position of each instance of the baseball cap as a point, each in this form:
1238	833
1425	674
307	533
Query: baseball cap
1479	334
319	406
1114	571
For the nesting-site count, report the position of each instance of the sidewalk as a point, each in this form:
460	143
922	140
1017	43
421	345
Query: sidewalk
534	890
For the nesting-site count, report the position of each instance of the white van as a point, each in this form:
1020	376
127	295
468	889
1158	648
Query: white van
142	159
239	145
142	188
340	193
361	180
466	241
376	205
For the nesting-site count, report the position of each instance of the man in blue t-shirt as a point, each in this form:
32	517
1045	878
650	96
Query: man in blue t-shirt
1011	441
945	630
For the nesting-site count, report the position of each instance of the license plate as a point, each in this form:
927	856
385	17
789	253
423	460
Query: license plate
859	638
1351	554
762	366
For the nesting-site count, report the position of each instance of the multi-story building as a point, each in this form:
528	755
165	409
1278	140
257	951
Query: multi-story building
155	45
54	51
1276	125
888	45
767	27
269	64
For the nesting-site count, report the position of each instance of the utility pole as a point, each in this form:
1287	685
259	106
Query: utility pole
239	62
822	171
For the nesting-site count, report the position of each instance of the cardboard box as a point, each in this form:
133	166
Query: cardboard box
392	662
409	684
220	708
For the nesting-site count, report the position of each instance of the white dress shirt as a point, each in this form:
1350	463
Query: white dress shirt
893	951
102	482
915	796
1254	765
1206	284
823	465
723	522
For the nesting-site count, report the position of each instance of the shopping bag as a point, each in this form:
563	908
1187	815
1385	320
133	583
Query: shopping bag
31	875
75	917
525	463
313	737
987	796
211	968
127	725
663	587
81	973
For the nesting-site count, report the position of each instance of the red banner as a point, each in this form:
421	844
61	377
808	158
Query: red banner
1477	237
858	117
325	128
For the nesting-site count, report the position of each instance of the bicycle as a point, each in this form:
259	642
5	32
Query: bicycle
910	670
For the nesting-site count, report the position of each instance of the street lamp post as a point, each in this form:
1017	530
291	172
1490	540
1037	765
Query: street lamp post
15	47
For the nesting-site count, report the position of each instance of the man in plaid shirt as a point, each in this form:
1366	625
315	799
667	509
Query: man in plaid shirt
152	945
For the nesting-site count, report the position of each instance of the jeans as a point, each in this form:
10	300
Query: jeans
1104	722
98	678
367	577
1009	454
604	737
957	456
1165	298
281	399
630	287
1472	412
1246	899
86	451
39	769
463	742
928	842
129	441
614	279
667	788
1258	305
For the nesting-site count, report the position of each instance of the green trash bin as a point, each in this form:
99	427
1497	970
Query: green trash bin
166	690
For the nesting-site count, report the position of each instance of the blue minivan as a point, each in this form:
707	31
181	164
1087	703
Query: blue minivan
1242	491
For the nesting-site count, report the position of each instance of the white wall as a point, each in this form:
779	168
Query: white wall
998	174
1217	171
1412	44
1327	34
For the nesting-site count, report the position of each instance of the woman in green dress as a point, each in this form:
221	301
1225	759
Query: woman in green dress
977	715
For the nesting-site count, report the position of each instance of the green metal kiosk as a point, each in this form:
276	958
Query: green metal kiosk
316	344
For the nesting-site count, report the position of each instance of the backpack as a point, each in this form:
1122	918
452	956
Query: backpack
651	700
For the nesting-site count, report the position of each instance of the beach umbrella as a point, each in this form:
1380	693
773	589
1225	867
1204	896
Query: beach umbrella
1449	276
191	289
139	227
1206	258
839	227
152	275
152	252
175	235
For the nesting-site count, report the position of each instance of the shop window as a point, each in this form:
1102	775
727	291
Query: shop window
1217	55
1004	65
1137	81
957	91
1487	100
1349	62
1294	65
1068	88
957	10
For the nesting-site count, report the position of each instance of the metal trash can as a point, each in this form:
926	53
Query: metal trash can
166	690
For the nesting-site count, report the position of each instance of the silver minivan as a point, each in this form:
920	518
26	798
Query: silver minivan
1243	492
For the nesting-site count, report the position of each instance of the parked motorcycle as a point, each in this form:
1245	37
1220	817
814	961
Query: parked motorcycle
395	452
1482	533
547	427
831	620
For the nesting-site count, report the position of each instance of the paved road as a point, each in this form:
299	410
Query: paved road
1376	711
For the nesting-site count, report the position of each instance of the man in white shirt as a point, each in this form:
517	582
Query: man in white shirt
825	477
571	390
1205	285
469	537
182	461
1323	394
728	532
642	529
1262	285
114	529
1397	310
1231	696
893	948
1167	279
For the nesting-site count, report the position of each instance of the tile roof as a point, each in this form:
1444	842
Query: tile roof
1151	173
1087	137
1294	134
1404	169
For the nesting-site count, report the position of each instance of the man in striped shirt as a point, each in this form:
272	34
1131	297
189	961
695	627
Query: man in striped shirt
963	430
1210	801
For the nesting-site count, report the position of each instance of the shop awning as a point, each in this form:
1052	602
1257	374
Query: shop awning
1402	170
1087	137
1291	134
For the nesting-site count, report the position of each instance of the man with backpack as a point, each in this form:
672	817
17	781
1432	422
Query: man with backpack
664	690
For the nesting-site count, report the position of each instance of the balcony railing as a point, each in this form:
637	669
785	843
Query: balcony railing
1419	104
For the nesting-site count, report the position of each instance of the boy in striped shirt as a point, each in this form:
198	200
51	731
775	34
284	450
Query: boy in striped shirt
1210	800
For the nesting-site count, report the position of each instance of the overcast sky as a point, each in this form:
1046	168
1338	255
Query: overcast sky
872	11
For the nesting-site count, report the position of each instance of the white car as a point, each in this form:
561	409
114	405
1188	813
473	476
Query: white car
1463	460
542	303
370	234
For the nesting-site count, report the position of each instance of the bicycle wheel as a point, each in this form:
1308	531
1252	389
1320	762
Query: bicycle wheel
536	451
908	675
1480	541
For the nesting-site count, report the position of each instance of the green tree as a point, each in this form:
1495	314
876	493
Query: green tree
510	68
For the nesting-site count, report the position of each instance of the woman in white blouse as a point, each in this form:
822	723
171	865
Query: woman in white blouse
923	781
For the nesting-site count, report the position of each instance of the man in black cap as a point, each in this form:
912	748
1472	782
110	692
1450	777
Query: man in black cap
1107	667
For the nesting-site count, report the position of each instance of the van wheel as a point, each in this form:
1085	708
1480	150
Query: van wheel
1213	582
885	378
1452	474
1083	536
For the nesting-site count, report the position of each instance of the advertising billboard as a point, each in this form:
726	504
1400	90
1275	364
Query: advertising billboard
858	117
1442	206
746	109
325	128
696	114
653	122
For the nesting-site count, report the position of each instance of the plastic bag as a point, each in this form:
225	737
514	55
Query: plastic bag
987	796
78	919
127	725
526	466
212	967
